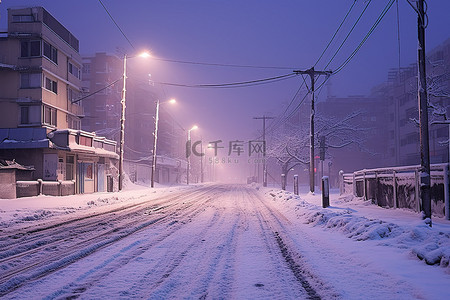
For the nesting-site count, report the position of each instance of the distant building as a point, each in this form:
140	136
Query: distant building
102	115
40	118
102	110
401	92
390	115
369	130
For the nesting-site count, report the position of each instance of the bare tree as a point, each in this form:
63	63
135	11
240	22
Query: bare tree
289	144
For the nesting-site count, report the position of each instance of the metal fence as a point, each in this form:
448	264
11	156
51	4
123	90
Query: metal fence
399	187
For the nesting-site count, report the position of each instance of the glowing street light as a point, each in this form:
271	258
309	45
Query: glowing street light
122	117
145	54
189	157
155	138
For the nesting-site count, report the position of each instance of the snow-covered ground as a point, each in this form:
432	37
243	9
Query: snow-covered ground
218	241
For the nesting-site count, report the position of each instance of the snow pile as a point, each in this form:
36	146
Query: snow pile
352	217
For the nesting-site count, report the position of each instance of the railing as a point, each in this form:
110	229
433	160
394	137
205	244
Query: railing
399	187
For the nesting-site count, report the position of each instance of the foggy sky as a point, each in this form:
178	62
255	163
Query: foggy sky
288	34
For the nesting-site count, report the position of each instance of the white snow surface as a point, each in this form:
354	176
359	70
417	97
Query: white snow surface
227	246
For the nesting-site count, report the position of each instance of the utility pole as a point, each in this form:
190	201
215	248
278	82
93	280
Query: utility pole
201	161
264	118
155	139
425	178
312	74
122	123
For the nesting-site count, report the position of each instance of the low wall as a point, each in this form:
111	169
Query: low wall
49	188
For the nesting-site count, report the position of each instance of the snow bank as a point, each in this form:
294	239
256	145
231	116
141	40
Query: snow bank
361	221
23	211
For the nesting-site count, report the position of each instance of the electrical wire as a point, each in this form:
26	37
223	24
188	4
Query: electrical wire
222	64
117	25
351	30
280	120
192	62
96	92
336	32
374	26
233	84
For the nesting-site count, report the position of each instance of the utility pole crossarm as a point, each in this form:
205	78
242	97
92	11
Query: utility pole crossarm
313	72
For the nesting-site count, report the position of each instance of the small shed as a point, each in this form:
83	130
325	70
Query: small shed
10	172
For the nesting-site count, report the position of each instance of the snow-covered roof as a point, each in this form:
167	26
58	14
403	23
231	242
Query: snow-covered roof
23	138
12	164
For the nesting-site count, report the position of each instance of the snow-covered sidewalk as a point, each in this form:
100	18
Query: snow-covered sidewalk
362	221
23	211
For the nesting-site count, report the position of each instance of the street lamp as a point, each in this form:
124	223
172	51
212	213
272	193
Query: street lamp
155	138
122	116
212	165
189	157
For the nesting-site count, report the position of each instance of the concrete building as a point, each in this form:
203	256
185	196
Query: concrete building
102	115
368	128
401	91
40	119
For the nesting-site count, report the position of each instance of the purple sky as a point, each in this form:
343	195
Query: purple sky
289	34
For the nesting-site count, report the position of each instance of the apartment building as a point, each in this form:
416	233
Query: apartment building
40	117
401	92
101	72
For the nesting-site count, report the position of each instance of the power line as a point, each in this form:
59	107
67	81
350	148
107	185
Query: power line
223	65
369	33
279	120
117	25
351	30
96	92
192	62
233	84
335	33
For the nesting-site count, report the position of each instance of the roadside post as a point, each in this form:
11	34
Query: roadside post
325	192
296	184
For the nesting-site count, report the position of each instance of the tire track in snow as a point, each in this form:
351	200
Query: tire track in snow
13	242
18	276
314	287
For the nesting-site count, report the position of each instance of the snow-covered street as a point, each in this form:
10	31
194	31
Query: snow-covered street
218	242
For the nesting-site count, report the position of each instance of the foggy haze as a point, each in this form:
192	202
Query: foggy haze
265	38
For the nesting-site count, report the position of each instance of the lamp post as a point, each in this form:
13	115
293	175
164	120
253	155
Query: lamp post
201	162
189	157
122	117
122	122
155	139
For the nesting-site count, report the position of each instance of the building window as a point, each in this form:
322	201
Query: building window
23	18
50	52
30	80
50	115
73	95
51	85
30	114
85	141
86	68
74	70
30	49
24	115
74	123
89	171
